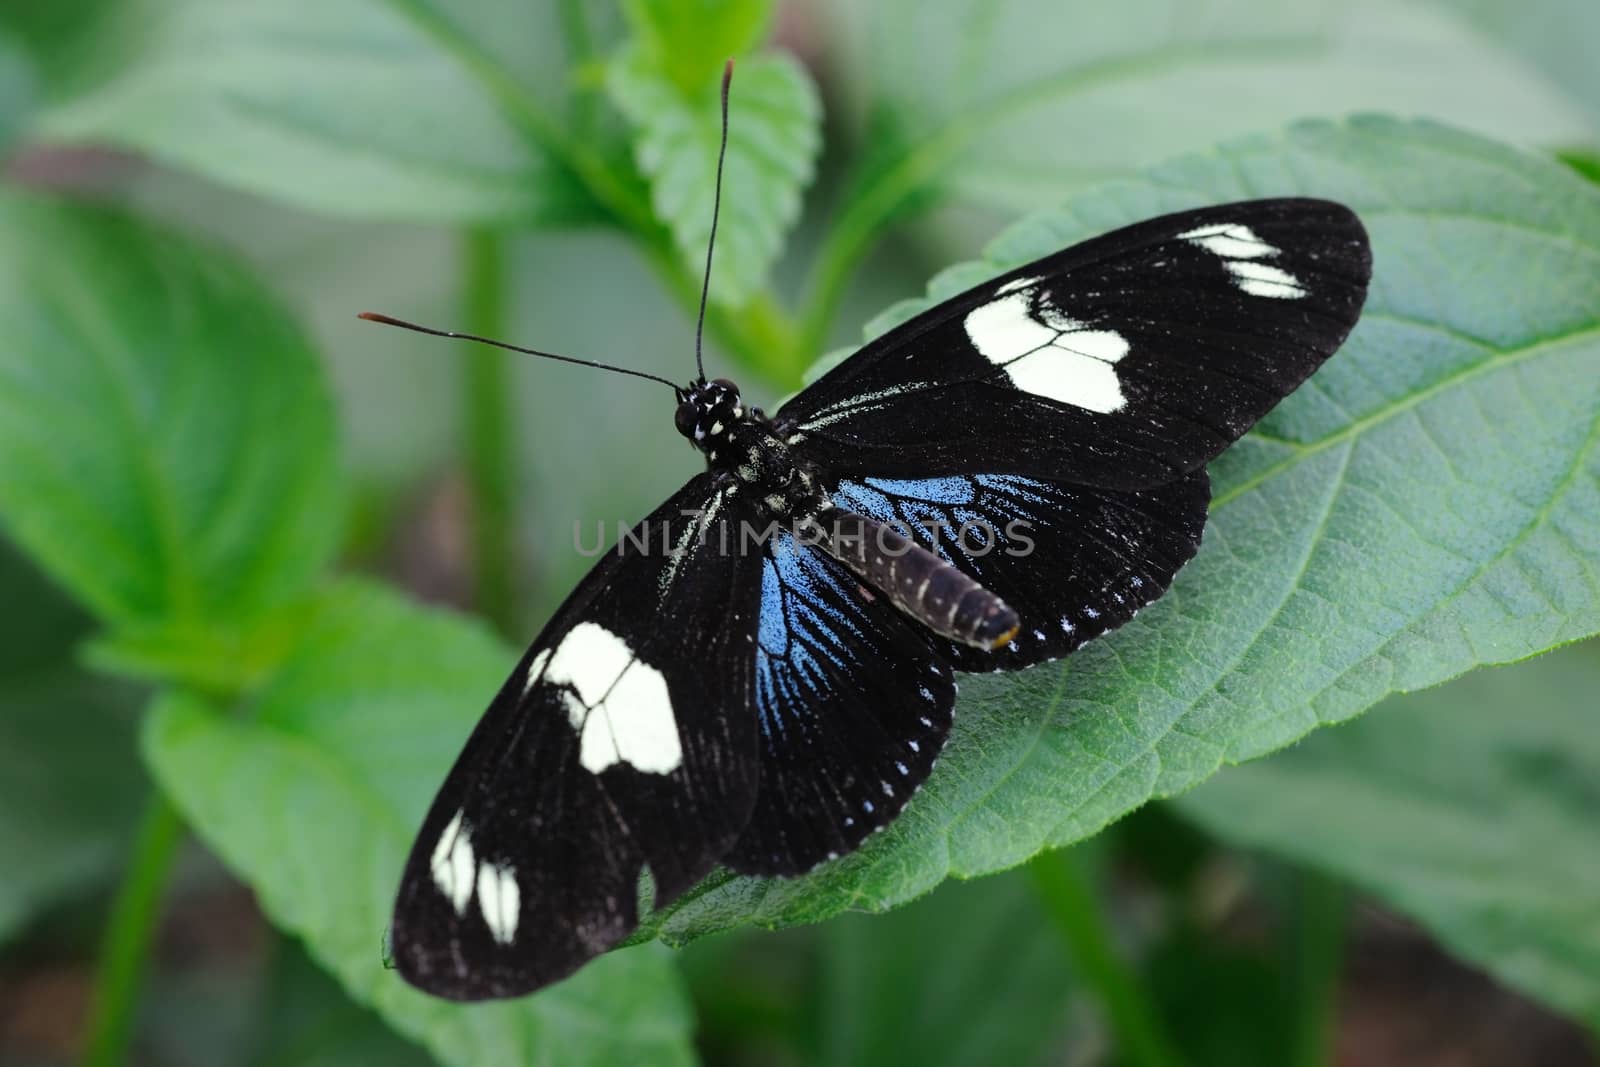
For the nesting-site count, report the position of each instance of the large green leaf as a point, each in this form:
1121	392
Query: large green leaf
773	137
1033	98
1472	808
374	108
314	799
1429	502
166	440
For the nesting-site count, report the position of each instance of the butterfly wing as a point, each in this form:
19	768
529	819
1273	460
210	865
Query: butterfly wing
623	741
1072	561
853	702
1123	362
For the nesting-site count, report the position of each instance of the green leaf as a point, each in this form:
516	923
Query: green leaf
1429	502
1555	37
1037	95
773	136
166	440
687	39
1471	808
967	975
16	88
314	800
399	109
1035	98
307	1021
70	786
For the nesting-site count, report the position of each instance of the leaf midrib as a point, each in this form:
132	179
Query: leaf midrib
179	583
1535	522
1502	359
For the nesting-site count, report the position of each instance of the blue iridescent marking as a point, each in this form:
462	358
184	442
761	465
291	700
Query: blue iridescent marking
863	501
773	634
797	624
933	490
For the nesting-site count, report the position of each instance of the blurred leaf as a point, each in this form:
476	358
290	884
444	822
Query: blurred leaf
309	1022
687	40
1429	502
16	87
773	137
166	441
70	785
1200	982
52	32
1556	37
401	109
69	788
1471	808
314	800
1035	97
968	975
1585	163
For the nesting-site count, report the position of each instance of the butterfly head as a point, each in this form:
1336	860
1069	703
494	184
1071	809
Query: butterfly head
707	410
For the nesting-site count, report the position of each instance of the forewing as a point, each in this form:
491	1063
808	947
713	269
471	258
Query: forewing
853	703
1122	362
1072	561
623	741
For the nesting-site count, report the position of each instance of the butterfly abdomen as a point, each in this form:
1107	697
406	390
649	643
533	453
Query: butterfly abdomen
917	581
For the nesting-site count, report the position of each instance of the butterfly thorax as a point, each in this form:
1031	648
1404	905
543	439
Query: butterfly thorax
743	446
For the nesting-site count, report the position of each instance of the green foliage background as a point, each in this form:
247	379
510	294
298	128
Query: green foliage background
212	482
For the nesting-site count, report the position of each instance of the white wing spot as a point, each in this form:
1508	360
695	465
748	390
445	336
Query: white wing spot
914	746
888	790
866	806
1014	284
1047	353
1259	279
1038	635
452	863
500	900
619	704
534	668
1230	240
902	768
1238	247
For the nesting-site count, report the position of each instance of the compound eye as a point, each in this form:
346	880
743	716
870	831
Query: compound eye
726	385
686	418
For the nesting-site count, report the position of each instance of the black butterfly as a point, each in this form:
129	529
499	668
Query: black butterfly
987	486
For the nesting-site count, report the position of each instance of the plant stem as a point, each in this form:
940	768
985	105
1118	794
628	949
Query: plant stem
1068	895
487	423
1318	935
126	948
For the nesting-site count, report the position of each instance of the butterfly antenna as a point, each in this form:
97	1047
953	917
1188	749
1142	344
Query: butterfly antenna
373	316
716	209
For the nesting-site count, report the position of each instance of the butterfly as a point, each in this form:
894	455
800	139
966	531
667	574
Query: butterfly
762	673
